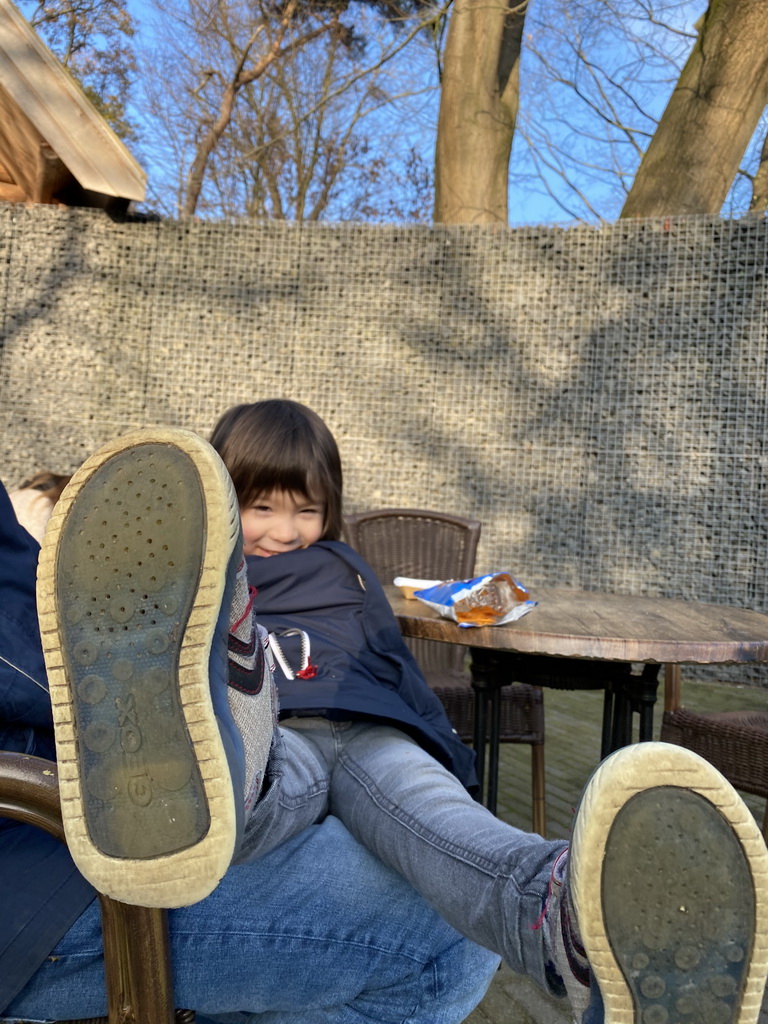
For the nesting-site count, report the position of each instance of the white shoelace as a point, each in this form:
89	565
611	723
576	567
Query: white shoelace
279	654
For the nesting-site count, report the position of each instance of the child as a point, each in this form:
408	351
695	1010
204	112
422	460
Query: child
142	559
363	738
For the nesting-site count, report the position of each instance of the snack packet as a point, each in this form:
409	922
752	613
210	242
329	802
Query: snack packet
489	600
408	586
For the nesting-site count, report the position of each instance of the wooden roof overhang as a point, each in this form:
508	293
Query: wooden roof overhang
55	147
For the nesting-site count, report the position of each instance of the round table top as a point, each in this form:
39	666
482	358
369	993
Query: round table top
605	627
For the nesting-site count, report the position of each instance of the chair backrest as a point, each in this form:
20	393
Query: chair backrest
424	545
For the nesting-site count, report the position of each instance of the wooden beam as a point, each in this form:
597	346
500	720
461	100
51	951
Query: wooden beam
29	160
11	193
51	176
19	143
61	114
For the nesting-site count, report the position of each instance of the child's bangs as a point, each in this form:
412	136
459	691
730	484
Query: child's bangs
305	482
295	469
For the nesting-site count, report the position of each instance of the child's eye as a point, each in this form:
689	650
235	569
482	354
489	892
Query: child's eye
265	509
312	511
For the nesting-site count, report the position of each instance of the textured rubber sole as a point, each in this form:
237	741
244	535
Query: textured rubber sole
669	878
130	585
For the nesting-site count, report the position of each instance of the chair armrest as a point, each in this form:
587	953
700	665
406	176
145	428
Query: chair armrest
136	944
29	791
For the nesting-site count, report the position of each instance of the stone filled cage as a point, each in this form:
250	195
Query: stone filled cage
596	396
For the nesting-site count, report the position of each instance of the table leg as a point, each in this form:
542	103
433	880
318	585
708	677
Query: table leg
621	733
493	749
478	742
607	730
633	695
645	695
488	677
625	694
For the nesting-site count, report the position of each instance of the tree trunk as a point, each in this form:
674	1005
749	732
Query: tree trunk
478	109
759	202
694	155
204	149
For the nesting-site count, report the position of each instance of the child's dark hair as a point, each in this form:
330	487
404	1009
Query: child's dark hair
281	445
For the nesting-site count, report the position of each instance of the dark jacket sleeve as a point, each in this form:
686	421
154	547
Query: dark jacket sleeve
385	641
41	891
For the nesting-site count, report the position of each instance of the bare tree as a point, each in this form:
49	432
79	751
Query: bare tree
478	111
307	142
282	112
598	74
591	124
693	157
758	203
247	67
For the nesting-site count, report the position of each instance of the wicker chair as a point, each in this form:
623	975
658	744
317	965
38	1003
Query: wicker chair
735	742
136	948
434	545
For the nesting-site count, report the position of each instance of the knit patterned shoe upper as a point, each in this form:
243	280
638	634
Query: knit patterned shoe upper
668	874
134	580
252	692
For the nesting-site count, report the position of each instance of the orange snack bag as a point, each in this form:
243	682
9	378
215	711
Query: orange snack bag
489	600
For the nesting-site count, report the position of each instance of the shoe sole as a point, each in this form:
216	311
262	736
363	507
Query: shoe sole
130	585
680	930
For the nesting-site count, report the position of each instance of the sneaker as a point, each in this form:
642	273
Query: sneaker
252	693
668	878
137	578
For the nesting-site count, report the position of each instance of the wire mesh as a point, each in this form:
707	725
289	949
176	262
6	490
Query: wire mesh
597	397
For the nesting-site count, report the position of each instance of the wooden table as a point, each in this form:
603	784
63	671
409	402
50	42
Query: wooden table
587	639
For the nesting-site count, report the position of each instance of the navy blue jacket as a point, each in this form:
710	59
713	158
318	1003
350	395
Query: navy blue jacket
363	667
41	891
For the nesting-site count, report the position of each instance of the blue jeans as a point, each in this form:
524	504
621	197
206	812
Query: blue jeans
486	878
318	931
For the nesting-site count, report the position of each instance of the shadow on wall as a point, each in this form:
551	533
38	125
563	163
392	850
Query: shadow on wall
596	397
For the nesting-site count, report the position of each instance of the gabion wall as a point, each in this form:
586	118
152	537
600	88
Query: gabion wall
597	397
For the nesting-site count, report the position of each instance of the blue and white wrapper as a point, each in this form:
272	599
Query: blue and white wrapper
489	600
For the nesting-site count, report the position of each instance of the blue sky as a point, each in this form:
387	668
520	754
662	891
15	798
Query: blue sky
567	162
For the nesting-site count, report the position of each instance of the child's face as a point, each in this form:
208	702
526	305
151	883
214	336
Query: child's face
281	521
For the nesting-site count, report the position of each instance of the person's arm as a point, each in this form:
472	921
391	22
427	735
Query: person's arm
24	700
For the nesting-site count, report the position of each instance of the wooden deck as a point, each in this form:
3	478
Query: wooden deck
572	749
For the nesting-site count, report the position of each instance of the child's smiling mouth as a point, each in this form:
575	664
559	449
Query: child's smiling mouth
264	553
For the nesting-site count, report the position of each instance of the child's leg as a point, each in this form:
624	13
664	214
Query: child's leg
487	879
296	794
670	874
317	932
